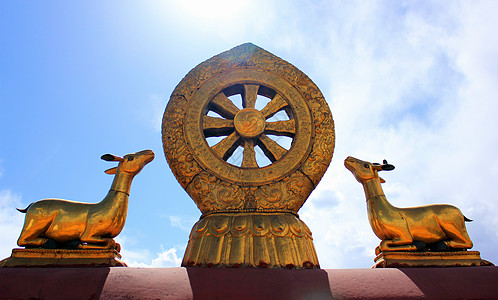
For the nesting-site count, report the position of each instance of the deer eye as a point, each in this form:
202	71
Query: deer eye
366	166
130	158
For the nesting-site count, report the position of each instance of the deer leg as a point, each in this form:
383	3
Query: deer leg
403	240
457	234
93	238
98	243
31	234
459	245
418	247
397	245
31	243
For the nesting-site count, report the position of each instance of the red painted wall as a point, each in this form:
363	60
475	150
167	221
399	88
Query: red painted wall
199	283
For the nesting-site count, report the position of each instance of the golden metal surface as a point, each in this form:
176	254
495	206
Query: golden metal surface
249	123
60	223
62	258
430	259
202	107
430	227
268	240
202	169
213	159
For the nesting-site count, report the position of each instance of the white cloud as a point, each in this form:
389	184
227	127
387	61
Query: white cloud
152	113
11	222
419	93
182	222
167	258
1	168
413	82
143	258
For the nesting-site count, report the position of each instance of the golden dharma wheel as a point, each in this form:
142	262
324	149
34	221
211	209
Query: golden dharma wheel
247	133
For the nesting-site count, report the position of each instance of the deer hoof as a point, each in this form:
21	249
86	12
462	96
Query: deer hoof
72	245
441	246
50	244
420	246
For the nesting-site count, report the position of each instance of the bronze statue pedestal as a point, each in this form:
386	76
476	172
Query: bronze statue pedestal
249	240
62	258
429	259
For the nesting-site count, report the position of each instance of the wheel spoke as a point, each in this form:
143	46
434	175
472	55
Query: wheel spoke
276	104
250	95
249	160
271	149
226	146
286	128
217	126
224	106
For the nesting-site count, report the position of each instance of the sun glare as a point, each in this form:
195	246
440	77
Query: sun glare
212	10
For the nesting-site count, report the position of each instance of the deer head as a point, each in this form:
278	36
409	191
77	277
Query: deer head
363	170
131	163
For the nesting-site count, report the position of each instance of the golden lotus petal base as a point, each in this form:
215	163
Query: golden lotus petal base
264	240
62	258
429	259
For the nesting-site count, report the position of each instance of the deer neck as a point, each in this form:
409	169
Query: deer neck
122	182
377	206
376	199
372	188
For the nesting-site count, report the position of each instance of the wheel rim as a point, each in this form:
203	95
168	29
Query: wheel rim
248	127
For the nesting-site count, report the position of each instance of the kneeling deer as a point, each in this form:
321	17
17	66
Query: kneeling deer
407	229
89	225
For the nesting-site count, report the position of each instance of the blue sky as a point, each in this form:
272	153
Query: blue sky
410	81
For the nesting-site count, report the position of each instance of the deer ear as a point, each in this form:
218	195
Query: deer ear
107	157
111	171
387	167
110	157
377	167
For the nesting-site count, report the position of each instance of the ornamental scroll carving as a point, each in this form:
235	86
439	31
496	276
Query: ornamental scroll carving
262	155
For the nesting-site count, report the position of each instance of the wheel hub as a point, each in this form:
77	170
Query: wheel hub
249	122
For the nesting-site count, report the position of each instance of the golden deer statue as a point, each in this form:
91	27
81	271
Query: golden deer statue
438	227
54	223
